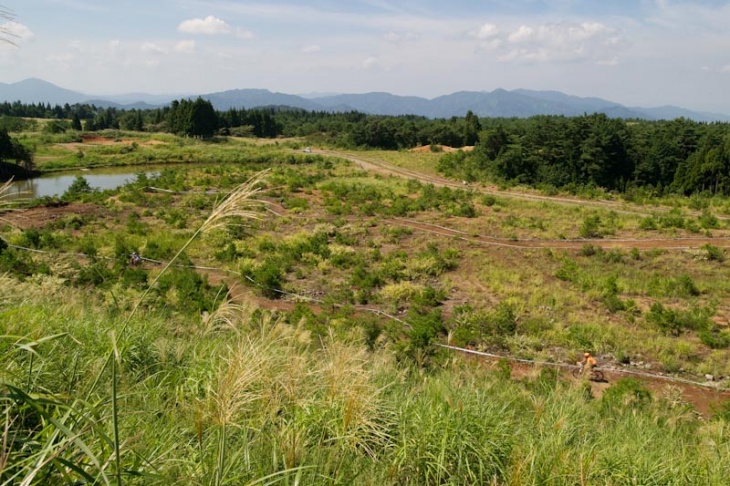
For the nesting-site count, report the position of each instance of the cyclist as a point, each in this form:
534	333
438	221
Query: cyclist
136	259
588	363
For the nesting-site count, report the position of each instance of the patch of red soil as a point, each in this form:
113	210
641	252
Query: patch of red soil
702	399
42	216
441	148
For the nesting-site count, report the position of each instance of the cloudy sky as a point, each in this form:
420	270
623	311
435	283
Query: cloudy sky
639	53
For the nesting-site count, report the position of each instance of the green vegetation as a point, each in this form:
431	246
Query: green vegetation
293	336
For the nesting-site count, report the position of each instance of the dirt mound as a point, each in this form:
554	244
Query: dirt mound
441	148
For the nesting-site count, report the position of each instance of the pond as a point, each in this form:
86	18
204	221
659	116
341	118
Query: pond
56	184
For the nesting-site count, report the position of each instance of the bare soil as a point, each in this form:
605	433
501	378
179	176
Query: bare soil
703	399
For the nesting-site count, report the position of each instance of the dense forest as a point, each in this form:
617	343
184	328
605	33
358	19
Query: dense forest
570	153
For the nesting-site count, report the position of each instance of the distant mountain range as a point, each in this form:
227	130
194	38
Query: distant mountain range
520	103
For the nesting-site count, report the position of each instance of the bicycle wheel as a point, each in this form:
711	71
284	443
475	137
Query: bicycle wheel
576	372
597	375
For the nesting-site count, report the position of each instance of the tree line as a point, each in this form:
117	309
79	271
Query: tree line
552	151
680	155
198	118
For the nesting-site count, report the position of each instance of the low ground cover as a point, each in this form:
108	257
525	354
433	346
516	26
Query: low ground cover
301	343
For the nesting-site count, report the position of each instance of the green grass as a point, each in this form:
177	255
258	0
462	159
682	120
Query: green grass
149	376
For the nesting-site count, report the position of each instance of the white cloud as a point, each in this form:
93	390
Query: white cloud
310	49
395	38
725	69
209	25
613	61
487	31
490	45
552	42
62	61
185	47
370	63
244	34
153	48
15	33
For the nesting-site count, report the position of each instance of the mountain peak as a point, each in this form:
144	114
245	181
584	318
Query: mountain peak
497	103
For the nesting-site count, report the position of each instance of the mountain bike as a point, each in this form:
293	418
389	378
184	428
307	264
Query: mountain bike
596	375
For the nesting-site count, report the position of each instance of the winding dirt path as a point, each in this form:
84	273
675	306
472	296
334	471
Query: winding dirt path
386	168
640	244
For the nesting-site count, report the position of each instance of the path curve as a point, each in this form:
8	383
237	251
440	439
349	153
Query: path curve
383	167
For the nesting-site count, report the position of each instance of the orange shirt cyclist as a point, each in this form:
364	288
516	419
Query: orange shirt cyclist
588	363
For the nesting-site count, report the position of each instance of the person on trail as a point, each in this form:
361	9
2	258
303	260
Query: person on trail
588	363
136	259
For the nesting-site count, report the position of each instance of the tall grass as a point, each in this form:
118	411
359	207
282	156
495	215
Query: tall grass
258	398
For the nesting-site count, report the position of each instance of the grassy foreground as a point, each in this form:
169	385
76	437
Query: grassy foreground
242	397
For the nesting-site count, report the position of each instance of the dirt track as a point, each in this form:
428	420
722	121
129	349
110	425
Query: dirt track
385	168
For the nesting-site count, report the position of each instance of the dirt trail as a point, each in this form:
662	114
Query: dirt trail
702	399
385	168
640	244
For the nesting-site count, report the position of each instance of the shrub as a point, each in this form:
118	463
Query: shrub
613	303
648	223
674	322
589	250
503	320
78	188
187	290
715	339
568	271
686	286
714	253
672	219
268	277
15	263
627	393
489	200
591	227
709	220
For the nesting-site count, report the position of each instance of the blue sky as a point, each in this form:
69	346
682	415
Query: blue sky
639	53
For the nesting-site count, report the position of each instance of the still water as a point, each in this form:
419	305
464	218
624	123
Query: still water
56	184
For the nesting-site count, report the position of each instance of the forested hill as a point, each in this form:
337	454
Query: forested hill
574	153
498	103
678	156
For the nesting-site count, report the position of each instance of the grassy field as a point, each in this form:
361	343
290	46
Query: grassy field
286	330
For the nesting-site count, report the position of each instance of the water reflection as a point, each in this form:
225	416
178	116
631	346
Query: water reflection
57	184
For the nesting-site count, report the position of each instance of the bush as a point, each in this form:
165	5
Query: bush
627	393
78	188
714	253
15	263
187	290
591	227
268	277
613	303
503	320
674	322
648	224
709	220
686	286
715	339
590	250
